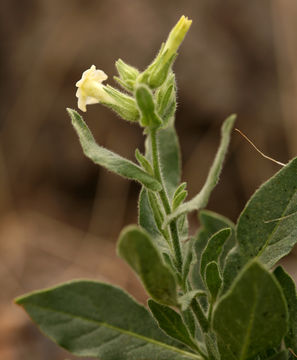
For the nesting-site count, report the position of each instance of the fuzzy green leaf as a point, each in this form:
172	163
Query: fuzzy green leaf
143	162
213	279
145	102
189	319
233	264
166	100
107	158
179	199
211	223
145	216
267	227
212	347
136	247
188	257
171	323
252	316
201	199
92	319
214	248
179	189
169	153
289	289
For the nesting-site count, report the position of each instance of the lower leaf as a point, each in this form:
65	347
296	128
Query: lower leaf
252	316
99	320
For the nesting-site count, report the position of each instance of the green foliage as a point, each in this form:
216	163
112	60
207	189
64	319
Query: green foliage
146	104
201	199
213	279
213	295
252	316
99	320
214	248
107	158
171	323
289	289
170	163
137	248
267	226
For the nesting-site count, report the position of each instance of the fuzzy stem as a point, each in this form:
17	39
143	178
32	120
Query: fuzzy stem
165	200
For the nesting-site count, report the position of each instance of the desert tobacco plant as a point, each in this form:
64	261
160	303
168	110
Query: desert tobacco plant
213	295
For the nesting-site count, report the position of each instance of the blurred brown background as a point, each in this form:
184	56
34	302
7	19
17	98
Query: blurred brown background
60	215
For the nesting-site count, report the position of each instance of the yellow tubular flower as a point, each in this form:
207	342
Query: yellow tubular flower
177	35
90	89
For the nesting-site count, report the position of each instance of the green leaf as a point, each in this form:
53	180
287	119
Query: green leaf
252	316
166	100
189	319
211	223
183	228
92	319
212	348
171	323
136	247
289	289
146	104
145	215
201	199
188	257
213	279
107	158
214	248
143	162
233	264
158	214
199	245
267	227
169	153
179	189
179	199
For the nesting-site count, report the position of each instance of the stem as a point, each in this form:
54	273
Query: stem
196	308
165	200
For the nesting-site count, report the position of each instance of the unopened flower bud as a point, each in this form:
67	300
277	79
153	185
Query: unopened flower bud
156	74
127	75
176	37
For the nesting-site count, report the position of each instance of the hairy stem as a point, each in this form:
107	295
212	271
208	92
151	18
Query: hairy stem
195	306
165	200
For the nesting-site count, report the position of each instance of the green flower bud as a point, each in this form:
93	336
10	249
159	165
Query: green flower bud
128	75
157	72
176	36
